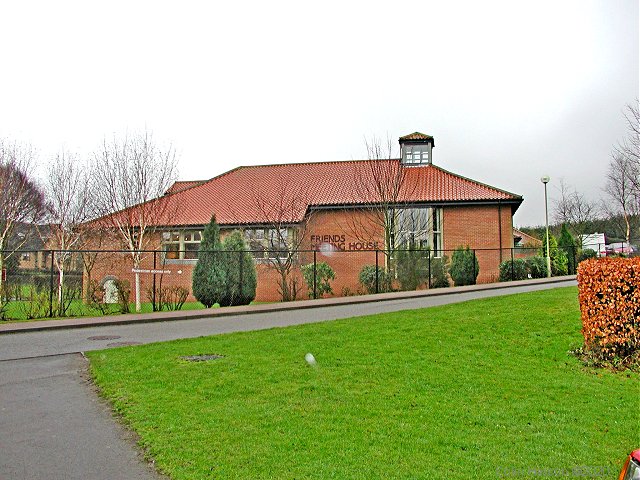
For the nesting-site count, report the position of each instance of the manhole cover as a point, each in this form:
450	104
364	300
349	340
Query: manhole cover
201	358
122	344
104	337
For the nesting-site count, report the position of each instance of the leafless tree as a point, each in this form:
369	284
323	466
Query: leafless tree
69	200
630	146
286	218
620	188
134	173
21	199
624	168
575	210
381	182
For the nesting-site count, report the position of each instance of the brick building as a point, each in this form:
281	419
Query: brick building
342	210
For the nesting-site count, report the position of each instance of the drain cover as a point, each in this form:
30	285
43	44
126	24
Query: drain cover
201	358
104	337
122	344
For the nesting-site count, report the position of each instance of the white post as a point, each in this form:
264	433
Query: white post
545	180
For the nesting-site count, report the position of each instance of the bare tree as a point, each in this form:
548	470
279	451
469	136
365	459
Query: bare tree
624	168
575	210
382	183
134	174
286	221
620	188
68	208
21	199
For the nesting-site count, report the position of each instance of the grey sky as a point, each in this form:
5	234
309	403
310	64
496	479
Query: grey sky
511	90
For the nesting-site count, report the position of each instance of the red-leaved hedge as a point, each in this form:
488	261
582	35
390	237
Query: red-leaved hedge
609	294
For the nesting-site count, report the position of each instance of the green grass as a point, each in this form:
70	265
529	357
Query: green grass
16	310
460	391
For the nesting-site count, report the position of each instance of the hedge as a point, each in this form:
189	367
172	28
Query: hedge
609	294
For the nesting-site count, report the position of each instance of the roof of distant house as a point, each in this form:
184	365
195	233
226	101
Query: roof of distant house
183	185
255	194
526	238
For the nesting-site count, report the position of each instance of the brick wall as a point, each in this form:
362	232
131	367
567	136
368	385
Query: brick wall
342	237
480	227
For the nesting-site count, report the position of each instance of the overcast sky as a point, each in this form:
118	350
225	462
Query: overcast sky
511	90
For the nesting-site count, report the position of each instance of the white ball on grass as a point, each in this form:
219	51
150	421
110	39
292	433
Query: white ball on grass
311	360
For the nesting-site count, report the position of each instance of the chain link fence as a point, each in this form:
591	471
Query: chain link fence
52	283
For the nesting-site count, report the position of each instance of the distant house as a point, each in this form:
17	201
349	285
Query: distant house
30	241
521	239
596	242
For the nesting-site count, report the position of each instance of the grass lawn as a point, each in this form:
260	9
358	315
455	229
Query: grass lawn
16	310
482	389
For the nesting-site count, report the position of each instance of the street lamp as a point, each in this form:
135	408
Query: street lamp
545	179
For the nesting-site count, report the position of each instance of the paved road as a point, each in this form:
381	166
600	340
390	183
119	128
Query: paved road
55	342
53	426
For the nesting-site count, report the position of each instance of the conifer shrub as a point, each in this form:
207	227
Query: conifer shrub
464	267
515	269
559	261
439	277
568	245
586	254
209	275
536	266
240	272
412	268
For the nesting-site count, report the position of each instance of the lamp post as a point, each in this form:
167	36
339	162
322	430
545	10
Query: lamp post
545	179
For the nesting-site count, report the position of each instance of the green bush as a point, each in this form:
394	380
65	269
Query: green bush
568	245
464	267
240	272
324	274
439	273
586	254
412	268
367	278
559	261
536	267
208	281
513	270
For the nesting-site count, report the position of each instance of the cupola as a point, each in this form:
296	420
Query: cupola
416	148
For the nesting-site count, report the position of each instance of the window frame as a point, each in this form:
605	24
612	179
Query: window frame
177	238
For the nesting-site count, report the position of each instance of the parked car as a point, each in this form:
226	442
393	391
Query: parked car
631	468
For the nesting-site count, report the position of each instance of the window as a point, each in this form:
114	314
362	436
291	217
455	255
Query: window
416	154
268	243
181	245
420	228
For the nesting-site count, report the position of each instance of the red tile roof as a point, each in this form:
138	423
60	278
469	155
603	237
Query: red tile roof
253	195
416	136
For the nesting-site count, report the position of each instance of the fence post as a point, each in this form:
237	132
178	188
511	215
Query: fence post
51	287
315	294
153	293
377	288
474	266
241	266
575	260
512	272
429	279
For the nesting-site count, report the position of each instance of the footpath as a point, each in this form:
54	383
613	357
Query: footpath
139	318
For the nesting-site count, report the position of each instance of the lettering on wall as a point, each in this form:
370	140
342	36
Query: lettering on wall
339	243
